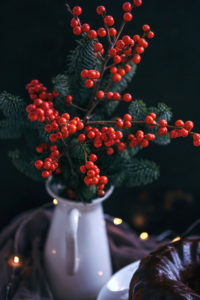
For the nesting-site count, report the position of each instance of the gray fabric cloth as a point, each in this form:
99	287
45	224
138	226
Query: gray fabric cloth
29	282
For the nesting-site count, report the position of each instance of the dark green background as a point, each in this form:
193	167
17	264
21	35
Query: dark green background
35	38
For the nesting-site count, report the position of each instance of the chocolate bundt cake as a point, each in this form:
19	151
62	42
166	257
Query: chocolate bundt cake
172	272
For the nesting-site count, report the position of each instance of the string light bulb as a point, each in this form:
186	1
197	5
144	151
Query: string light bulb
55	202
117	221
15	261
144	236
176	239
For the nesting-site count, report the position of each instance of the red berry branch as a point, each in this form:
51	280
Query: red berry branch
102	135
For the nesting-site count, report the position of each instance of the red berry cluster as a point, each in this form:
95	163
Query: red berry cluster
50	164
182	129
140	139
90	76
68	100
93	175
42	107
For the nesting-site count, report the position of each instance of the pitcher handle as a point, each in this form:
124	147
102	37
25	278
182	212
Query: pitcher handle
72	241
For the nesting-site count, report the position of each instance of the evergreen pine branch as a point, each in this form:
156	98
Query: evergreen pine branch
61	84
138	172
12	106
138	110
21	160
162	111
82	57
10	129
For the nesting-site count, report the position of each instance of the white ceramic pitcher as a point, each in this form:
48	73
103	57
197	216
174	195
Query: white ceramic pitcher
77	258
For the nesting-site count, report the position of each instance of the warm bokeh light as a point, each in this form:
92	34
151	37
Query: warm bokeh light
16	260
117	221
144	236
55	201
176	239
100	273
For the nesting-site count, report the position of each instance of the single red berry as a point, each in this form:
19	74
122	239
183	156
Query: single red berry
119	134
121	146
84	73
85	27
74	22
163	123
100	94
77	11
89	165
183	132
103	180
91	134
109	95
112	32
127	97
101	32
196	143
136	38
121	71
77	30
80	125
100	10
189	125
196	136
69	99
91	173
92	34
117	59
89	83
179	123
46	174
162	131
127	124
120	44
150	136
72	128
137	2
119	123
112	52
53	137
39	164
127	6
109	20
116	77
81	138
139	50
110	151
66	116
116	96
149	120
140	135
93	157
150	35
153	115
146	27
127	17
98	47
127	68
127	117
83	169
101	193
136	59
113	70
144	143
55	94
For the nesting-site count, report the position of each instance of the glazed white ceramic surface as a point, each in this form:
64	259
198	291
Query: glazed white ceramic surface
77	257
117	287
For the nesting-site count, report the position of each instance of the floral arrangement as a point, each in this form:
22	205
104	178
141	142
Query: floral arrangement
80	137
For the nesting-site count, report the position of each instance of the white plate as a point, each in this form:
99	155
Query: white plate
117	287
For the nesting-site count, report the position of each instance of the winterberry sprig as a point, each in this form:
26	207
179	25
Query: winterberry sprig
101	135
